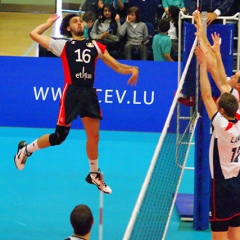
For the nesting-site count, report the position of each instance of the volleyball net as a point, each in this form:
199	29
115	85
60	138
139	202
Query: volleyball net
151	215
156	199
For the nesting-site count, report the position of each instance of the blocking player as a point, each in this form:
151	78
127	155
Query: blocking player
223	158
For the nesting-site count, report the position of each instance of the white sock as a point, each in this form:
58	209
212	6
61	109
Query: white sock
32	147
93	165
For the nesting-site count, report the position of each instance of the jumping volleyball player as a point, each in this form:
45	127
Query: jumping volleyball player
79	97
225	142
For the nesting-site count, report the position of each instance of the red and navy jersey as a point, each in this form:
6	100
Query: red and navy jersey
79	59
225	147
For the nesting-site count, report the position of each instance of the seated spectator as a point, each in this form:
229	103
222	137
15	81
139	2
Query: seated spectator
81	219
148	8
173	13
136	33
119	6
162	43
89	19
106	29
215	9
177	3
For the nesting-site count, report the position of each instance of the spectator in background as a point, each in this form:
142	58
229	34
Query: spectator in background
173	13
137	32
148	8
89	19
106	29
119	6
214	8
81	219
178	3
162	43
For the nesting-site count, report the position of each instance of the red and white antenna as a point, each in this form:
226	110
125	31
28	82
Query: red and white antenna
198	6
101	210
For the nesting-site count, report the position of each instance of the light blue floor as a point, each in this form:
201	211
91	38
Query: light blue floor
36	202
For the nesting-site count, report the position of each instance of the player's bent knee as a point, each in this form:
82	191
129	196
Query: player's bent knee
59	135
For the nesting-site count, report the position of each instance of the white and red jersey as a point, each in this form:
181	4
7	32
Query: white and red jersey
225	147
236	94
78	58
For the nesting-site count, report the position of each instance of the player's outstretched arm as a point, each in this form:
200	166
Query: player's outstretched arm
203	41
121	68
218	73
199	27
36	34
205	86
213	56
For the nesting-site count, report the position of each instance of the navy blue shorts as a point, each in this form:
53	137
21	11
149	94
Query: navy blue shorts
78	101
225	204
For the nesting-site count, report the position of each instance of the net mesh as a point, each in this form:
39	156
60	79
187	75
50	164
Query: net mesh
155	208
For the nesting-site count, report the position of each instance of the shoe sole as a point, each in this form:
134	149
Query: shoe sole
20	166
89	180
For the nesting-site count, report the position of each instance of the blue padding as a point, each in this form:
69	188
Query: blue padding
184	204
227	34
30	93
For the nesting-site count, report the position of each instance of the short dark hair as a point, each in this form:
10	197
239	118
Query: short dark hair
135	10
229	103
174	11
164	25
81	219
65	24
88	16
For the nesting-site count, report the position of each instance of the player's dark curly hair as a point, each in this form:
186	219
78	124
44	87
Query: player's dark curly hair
65	24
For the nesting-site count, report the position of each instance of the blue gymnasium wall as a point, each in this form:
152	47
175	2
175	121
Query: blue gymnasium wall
30	92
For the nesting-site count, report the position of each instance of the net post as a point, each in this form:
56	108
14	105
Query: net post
100	236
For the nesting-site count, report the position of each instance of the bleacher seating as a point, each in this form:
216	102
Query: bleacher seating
148	9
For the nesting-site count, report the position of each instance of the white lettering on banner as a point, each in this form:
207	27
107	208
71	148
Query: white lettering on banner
145	100
134	98
43	94
55	95
40	93
107	96
120	99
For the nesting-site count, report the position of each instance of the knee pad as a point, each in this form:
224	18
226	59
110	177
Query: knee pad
59	135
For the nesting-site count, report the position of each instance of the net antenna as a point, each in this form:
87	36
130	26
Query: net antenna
80	12
198	5
100	235
139	208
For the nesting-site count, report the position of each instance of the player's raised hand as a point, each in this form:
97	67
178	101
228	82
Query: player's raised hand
53	18
132	81
198	24
216	43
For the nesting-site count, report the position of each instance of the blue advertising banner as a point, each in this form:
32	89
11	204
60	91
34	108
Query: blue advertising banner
31	89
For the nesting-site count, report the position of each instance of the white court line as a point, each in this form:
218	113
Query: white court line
30	49
32	227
